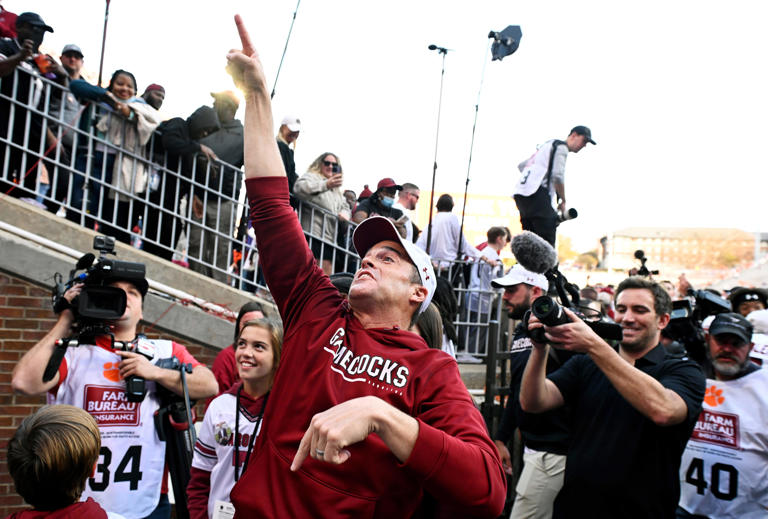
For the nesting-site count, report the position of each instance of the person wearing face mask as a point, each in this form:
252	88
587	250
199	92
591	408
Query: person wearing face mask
381	203
321	185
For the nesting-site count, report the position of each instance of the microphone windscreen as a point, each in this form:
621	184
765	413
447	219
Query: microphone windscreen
533	252
432	47
85	261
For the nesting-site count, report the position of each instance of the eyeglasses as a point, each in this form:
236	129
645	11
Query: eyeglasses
329	164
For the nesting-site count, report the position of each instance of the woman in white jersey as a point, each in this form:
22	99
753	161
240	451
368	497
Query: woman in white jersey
232	421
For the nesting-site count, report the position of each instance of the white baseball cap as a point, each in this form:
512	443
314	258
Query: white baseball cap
519	274
377	229
292	122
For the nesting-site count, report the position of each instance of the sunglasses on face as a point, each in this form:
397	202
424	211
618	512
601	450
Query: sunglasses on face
329	164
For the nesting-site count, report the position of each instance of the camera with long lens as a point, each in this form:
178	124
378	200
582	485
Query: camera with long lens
550	313
97	305
570	214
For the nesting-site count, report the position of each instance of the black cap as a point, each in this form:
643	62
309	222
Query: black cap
583	130
732	323
33	19
742	295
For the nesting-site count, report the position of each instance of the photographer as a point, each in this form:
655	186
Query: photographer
129	475
543	176
545	435
633	409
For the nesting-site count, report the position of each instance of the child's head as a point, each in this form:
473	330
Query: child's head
259	342
122	84
52	455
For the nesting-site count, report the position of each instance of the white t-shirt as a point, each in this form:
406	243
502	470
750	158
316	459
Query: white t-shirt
534	170
445	239
724	469
129	471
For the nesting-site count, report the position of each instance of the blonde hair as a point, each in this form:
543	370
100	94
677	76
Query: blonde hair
317	164
52	455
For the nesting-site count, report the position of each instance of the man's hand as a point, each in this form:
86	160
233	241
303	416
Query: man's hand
683	285
506	459
350	422
334	180
27	50
135	364
333	430
489	261
208	152
574	336
244	65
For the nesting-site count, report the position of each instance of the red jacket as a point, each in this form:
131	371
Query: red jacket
88	509
329	358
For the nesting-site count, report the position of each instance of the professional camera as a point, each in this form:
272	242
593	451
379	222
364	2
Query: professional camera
550	313
97	305
686	317
570	214
97	301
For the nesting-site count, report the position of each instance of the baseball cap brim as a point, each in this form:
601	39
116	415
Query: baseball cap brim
519	274
721	328
378	229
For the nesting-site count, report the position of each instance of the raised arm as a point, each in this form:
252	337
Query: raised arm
261	156
27	376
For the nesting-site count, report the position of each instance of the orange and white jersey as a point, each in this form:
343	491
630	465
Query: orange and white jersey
724	469
129	471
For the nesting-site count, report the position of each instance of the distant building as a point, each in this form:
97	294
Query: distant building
683	248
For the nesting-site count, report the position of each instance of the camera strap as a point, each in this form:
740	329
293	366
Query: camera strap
256	426
555	144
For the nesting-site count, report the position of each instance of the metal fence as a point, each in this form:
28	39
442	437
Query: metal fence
189	210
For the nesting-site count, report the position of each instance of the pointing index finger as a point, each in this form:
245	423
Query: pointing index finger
303	451
245	38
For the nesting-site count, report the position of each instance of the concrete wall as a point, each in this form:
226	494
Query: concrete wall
26	279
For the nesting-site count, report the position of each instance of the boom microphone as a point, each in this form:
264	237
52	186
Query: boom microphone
533	252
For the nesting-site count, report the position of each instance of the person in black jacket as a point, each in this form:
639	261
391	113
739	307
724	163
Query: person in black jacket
180	138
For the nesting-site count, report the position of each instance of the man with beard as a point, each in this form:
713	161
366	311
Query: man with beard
632	408
545	435
724	471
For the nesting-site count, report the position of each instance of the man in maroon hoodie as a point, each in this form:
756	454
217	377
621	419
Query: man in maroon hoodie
363	417
51	455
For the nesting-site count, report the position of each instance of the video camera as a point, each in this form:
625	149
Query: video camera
97	305
97	302
686	317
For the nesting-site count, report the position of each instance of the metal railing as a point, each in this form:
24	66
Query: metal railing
185	209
